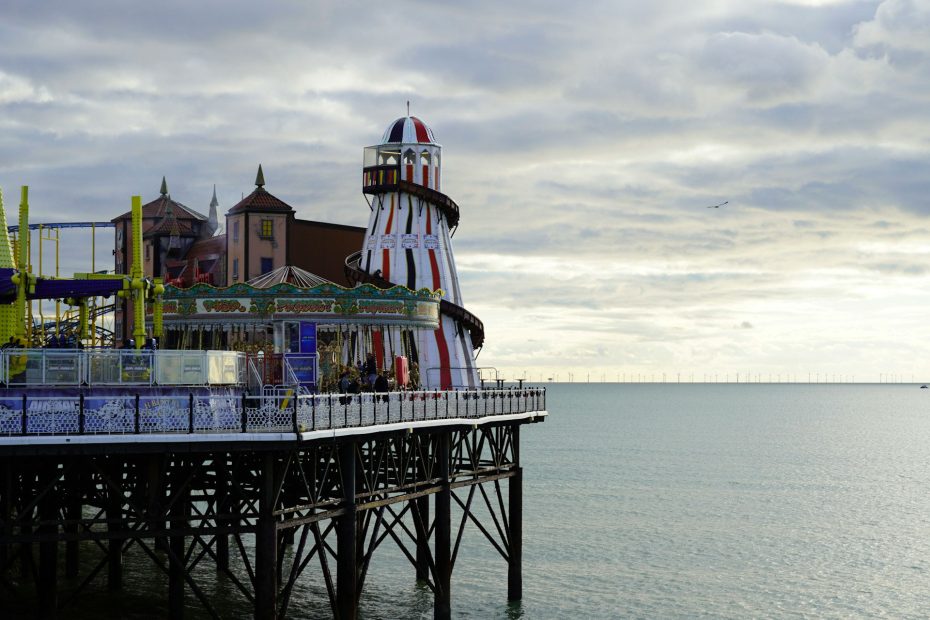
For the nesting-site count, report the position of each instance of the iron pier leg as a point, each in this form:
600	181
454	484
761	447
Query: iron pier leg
26	558
515	535
266	546
180	513
421	506
73	511
6	508
47	589
515	564
347	568
442	603
222	508
114	524
155	483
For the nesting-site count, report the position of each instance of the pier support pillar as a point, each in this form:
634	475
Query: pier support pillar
266	546
114	524
47	586
346	564
420	506
6	508
73	513
223	507
156	500
442	603
515	535
26	559
180	513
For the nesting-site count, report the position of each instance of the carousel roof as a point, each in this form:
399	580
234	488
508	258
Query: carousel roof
288	275
408	129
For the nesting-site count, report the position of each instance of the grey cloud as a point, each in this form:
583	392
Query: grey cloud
897	25
584	142
901	269
765	66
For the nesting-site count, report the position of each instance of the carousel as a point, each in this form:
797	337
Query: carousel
319	328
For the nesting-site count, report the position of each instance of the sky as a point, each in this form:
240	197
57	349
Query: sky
582	142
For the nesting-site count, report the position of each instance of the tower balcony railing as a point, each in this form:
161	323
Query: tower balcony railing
158	414
385	179
377	179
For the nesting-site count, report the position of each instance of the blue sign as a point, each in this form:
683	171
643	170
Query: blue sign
307	337
304	367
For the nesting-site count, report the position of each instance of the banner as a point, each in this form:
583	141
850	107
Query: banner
307	337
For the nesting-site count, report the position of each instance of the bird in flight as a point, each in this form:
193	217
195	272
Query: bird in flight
718	206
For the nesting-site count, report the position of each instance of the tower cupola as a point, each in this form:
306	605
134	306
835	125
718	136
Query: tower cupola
408	152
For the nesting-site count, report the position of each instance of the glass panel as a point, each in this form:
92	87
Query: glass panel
370	157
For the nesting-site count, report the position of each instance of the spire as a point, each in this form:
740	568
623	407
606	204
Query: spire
408	107
164	187
260	177
213	220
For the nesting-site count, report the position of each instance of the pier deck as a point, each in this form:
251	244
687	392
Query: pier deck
231	481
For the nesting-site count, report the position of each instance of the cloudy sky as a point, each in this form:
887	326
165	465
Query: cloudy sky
583	144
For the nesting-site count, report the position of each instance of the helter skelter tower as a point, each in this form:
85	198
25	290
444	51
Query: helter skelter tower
409	242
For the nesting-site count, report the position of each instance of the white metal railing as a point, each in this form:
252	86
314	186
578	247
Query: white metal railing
113	367
285	412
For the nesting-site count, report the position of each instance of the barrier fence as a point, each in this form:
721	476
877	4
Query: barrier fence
115	367
281	413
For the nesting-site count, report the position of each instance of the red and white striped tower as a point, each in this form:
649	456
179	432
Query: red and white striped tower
408	242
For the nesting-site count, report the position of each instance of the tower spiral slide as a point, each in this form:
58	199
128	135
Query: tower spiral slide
408	243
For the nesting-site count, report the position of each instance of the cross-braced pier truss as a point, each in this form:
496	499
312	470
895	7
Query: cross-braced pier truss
236	505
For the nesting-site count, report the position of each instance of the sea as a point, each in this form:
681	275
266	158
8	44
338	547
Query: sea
681	501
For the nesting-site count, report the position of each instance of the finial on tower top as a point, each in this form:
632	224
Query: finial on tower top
164	187
408	107
260	177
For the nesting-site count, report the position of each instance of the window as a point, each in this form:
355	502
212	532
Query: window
267	264
236	231
148	251
235	275
267	229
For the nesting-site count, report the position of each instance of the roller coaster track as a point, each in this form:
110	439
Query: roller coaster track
15	227
356	275
70	324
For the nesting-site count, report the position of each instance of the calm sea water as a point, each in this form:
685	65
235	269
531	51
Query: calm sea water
689	501
728	501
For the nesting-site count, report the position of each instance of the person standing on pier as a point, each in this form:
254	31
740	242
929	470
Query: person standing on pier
371	369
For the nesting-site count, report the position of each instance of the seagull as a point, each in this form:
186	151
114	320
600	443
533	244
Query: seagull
718	206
